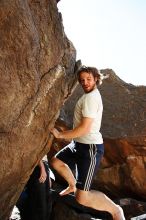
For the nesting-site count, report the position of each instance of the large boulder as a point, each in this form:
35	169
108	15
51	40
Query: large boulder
37	68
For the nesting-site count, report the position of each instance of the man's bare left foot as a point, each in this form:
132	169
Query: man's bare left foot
66	191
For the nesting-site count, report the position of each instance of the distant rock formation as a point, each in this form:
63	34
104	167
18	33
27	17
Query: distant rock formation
37	68
123	169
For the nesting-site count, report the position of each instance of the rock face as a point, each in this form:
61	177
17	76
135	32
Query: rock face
123	169
66	212
132	208
37	75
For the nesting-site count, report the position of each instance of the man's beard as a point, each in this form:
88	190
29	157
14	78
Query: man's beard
88	91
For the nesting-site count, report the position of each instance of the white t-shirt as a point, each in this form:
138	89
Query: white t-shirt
90	106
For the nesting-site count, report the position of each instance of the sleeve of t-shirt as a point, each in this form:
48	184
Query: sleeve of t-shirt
90	106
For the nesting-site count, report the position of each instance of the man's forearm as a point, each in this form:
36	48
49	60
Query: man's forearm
74	133
81	130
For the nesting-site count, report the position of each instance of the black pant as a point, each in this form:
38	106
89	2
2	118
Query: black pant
35	202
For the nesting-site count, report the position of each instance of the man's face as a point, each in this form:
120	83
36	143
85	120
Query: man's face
87	81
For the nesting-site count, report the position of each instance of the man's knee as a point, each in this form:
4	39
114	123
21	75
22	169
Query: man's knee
82	198
52	161
56	163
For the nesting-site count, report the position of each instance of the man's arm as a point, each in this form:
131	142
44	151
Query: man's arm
83	129
43	174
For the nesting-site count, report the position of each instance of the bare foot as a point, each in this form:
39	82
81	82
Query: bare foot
68	190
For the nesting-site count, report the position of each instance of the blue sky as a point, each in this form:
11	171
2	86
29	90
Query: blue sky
109	34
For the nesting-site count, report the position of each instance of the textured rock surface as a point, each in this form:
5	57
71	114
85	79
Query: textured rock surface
123	169
132	208
37	74
66	210
66	207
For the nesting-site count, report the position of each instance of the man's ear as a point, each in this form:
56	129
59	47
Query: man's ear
95	79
